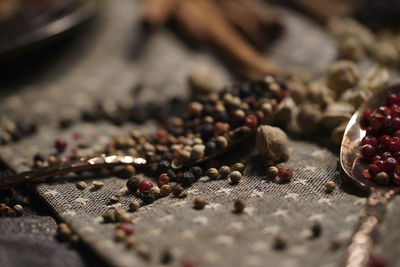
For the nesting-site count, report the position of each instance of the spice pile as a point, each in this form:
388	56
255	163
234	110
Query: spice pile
355	42
327	104
381	145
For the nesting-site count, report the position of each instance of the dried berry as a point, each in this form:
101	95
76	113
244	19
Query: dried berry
165	190
60	145
212	173
224	171
239	206
239	167
187	179
133	184
272	172
126	227
199	203
145	185
285	175
133	205
127	172
330	186
235	177
177	190
147	197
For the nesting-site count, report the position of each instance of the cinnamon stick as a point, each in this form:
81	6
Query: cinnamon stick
256	20
157	12
205	20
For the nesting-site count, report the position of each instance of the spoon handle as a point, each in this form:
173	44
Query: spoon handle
361	244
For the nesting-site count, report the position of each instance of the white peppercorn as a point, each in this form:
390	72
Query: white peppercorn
272	143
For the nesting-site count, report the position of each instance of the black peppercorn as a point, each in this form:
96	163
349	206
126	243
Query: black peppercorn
148	197
38	157
177	190
316	230
207	131
210	148
196	171
133	184
171	174
166	257
187	179
163	166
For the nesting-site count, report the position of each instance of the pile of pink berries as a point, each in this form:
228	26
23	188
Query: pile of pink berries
380	148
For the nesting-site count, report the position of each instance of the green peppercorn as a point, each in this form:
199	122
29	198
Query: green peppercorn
199	203
133	205
239	206
330	186
109	217
224	171
212	173
235	177
382	178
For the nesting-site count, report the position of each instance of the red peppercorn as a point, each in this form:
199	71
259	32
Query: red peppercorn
386	155
396	123
60	145
377	261
4	209
145	185
162	180
384	140
368	151
375	158
195	108
251	121
370	140
285	174
376	124
391	99
188	262
396	179
126	227
378	163
389	165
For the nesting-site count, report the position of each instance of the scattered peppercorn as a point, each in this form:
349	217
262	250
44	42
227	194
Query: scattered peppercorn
272	172
81	185
162	180
199	203
126	227
114	199
235	177
177	190
127	171
183	194
239	206
156	191
238	167
330	186
166	257
382	178
166	190
133	184
133	205
212	173
316	230
187	179
224	171
147	197
280	242
18	209
60	145
285	175
196	171
109	216
122	216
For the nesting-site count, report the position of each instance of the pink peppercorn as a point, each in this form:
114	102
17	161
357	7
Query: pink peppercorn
60	145
389	165
370	140
373	169
368	151
126	227
251	121
162	180
285	174
145	185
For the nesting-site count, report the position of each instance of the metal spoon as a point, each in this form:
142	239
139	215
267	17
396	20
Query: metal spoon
359	250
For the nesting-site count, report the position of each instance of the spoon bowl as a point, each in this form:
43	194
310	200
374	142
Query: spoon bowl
359	250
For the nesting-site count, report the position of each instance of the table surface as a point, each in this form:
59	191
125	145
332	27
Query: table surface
98	63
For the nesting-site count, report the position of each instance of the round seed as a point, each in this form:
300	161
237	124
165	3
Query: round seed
212	173
238	167
199	203
235	177
224	171
330	186
239	206
133	205
81	185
